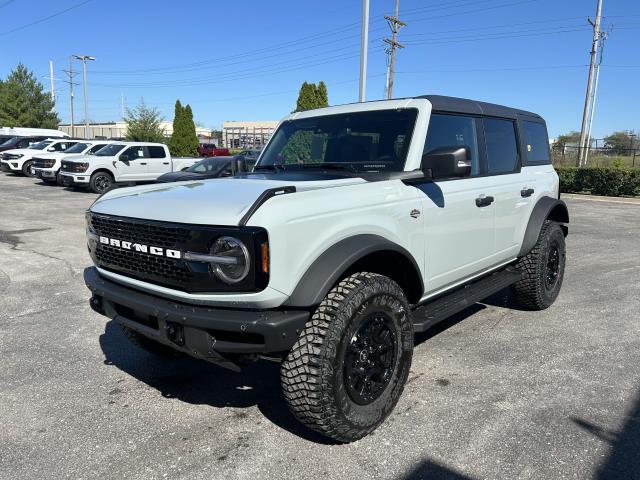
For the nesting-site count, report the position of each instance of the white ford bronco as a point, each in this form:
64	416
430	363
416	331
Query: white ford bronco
360	225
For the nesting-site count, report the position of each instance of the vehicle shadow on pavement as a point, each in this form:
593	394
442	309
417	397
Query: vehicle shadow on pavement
623	461
201	383
430	470
448	323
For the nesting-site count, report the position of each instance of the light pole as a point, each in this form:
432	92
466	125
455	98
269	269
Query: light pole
84	59
633	151
364	43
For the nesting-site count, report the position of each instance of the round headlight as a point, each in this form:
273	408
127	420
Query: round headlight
233	263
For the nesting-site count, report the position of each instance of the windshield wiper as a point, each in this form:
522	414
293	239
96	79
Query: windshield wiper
331	166
274	167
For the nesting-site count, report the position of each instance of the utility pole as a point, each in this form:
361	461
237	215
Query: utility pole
364	43
53	87
604	36
84	59
71	83
587	100
395	25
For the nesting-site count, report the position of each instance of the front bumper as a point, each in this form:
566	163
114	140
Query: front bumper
10	166
200	331
79	179
45	174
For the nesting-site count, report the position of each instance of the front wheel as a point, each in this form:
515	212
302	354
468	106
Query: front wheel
101	182
346	372
28	169
542	269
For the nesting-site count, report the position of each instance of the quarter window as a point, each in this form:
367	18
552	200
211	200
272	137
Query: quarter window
453	131
535	136
502	147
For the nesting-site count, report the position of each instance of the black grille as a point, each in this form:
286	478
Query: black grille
189	276
147	233
68	166
43	162
169	269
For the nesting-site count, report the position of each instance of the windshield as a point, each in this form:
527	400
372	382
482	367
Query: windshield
206	166
110	150
375	141
77	148
6	142
41	145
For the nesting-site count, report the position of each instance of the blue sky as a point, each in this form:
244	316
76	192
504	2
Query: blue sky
246	60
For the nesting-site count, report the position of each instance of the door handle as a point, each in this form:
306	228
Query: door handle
165	163
484	201
526	192
143	163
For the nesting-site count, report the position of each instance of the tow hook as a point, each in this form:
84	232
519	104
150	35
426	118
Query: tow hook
175	333
96	304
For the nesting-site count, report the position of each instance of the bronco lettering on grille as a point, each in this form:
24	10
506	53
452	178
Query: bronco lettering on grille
138	247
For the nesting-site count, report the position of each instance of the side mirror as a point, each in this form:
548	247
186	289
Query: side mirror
51	149
123	158
447	162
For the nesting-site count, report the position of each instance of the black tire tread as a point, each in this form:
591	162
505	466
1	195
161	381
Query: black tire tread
529	290
304	375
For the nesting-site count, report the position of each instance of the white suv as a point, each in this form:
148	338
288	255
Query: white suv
360	225
20	160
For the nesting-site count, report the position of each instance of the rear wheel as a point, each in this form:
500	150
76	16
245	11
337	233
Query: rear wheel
346	372
101	182
543	269
147	344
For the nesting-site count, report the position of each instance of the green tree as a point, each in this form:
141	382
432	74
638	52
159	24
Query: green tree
312	96
621	142
562	141
23	102
322	95
184	141
143	124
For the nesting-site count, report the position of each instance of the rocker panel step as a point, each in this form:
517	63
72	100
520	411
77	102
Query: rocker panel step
429	314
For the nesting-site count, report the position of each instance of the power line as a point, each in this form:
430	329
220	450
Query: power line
36	22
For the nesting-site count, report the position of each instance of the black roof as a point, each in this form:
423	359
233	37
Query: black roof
463	105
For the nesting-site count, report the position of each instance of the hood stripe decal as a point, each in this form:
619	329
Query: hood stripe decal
264	196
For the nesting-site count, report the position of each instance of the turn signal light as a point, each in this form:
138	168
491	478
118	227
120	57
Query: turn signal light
264	255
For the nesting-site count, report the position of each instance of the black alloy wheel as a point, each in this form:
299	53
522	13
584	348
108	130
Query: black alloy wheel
370	358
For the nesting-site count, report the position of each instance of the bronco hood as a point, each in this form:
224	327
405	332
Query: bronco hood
221	201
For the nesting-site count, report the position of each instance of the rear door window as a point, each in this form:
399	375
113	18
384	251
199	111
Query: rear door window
537	143
453	131
156	151
502	146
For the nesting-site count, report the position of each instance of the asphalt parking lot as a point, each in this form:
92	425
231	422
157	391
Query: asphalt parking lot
494	392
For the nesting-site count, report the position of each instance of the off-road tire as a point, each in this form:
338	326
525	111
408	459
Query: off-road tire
98	180
26	169
313	377
533	290
59	181
148	345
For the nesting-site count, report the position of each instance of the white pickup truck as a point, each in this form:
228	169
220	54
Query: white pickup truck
20	160
121	162
47	165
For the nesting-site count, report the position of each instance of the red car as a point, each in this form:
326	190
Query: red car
211	150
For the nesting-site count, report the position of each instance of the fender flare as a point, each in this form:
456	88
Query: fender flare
547	207
327	269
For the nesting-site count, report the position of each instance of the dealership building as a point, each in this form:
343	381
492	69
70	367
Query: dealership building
118	130
247	134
